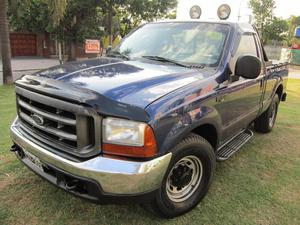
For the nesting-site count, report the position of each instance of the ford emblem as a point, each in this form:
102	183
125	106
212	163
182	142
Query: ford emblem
38	119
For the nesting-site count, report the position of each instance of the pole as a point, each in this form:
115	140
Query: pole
59	53
6	74
1	72
1	77
110	23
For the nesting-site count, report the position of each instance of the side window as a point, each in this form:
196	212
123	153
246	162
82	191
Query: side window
247	46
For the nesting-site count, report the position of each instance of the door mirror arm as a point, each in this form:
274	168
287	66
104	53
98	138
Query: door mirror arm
234	78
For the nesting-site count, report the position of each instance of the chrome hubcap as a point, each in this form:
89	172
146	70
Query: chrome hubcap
184	178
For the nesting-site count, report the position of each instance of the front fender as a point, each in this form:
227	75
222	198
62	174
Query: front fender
176	117
174	127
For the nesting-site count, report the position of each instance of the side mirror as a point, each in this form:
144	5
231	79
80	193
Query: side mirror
248	66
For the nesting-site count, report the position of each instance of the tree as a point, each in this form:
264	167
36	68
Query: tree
33	16
276	30
57	10
75	20
82	20
72	21
5	43
263	15
130	13
293	23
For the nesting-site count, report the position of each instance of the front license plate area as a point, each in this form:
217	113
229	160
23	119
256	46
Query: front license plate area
35	160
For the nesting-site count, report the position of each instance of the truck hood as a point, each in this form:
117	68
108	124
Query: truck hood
135	83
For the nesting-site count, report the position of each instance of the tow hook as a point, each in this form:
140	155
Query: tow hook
72	185
14	148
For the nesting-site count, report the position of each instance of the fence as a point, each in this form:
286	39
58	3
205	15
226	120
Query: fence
273	51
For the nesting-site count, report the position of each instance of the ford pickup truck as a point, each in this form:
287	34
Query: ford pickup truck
149	121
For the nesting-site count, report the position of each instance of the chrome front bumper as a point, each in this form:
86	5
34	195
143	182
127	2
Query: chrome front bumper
117	177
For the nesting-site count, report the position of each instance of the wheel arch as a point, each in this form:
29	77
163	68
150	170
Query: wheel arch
209	133
207	129
279	91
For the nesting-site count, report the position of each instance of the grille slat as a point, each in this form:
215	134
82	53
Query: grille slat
63	126
48	129
48	115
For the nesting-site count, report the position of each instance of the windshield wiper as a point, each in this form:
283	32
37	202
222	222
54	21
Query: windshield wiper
118	54
163	59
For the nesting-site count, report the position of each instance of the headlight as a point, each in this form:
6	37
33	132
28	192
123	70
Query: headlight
123	132
128	138
195	12
224	11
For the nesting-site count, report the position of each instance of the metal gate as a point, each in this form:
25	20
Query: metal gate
23	44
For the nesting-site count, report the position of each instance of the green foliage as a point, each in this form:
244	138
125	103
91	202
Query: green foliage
149	10
263	15
128	14
30	16
73	21
276	30
76	20
37	15
57	10
293	23
271	28
82	20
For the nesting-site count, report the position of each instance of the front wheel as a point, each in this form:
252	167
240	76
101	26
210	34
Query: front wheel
266	121
187	179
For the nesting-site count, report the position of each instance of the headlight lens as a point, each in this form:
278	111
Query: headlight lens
123	132
195	12
224	11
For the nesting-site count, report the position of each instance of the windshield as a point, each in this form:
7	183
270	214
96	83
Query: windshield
189	43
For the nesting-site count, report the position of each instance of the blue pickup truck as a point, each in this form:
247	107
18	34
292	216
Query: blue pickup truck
149	121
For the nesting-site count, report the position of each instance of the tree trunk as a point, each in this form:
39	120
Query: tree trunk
72	51
110	24
5	43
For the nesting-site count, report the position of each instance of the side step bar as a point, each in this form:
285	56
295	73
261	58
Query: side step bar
231	147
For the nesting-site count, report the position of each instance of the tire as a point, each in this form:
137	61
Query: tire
187	179
266	121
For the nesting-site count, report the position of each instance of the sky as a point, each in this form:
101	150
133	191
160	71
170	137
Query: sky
284	8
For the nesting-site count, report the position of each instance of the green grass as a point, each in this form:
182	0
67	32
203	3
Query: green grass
258	185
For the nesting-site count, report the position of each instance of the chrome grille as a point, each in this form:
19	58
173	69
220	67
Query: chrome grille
63	125
56	125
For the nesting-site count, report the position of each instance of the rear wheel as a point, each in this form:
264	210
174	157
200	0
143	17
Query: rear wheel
187	179
266	121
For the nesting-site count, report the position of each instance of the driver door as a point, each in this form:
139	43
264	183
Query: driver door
240	98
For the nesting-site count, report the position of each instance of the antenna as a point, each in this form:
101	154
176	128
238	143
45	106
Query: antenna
239	15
